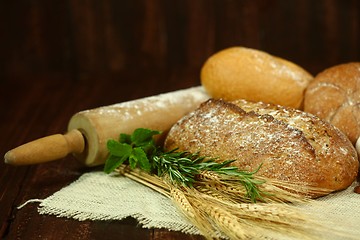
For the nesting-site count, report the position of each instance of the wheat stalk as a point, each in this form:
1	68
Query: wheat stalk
180	198
272	190
152	181
248	220
293	190
226	222
190	210
221	215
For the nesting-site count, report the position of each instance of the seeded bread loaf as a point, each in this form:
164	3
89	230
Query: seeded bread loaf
290	144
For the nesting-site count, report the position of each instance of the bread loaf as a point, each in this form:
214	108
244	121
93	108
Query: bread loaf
290	144
334	95
245	73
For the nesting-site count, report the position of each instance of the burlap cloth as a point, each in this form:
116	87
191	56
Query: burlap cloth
97	196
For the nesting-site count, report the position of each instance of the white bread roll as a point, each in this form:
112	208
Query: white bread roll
244	73
334	95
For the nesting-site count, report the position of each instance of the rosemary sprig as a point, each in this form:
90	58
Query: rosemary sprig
182	168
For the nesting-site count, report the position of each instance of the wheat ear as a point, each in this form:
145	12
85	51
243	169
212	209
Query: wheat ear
272	190
223	217
269	219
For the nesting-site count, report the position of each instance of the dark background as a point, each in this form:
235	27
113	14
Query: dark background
58	57
88	40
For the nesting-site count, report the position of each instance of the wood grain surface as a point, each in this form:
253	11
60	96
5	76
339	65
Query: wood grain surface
61	57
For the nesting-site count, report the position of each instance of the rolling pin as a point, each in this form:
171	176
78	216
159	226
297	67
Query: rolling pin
89	130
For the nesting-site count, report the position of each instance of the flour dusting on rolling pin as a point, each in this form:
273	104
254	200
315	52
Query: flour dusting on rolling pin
88	131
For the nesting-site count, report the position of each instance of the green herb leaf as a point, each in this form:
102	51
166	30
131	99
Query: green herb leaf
119	153
142	159
143	136
133	161
113	162
119	149
125	138
133	148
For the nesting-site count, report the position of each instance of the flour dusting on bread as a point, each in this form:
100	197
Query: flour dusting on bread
290	144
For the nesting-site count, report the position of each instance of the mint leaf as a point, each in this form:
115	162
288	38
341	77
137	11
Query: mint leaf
142	136
142	159
125	138
135	148
112	162
132	161
119	149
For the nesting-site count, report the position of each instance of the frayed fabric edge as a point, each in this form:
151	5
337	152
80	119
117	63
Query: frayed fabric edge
30	201
143	221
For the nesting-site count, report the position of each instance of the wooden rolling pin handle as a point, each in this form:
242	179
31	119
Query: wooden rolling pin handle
46	149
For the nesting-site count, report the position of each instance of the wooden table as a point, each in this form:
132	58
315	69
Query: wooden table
30	111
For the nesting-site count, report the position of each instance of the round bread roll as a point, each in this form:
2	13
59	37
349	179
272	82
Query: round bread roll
334	95
244	73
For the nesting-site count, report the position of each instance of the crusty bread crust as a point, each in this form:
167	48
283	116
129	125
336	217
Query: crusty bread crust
334	95
291	145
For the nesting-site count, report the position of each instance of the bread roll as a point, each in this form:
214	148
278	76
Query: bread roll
334	95
290	144
244	73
